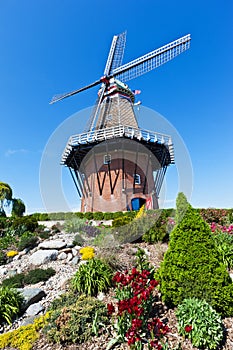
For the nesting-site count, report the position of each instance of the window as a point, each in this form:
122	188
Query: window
137	179
107	159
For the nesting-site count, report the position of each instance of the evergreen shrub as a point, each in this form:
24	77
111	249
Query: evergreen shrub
38	275
23	224
88	215
192	267
158	232
79	215
27	240
98	215
77	323
121	221
181	207
32	277
108	216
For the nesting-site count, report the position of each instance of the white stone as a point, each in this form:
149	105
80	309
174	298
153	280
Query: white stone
62	256
69	257
34	309
3	270
16	257
74	251
53	244
31	296
23	252
75	260
43	256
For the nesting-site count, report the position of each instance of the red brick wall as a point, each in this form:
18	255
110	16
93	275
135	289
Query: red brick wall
97	194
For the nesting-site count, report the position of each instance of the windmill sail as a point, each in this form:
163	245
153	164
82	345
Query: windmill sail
116	53
136	67
152	60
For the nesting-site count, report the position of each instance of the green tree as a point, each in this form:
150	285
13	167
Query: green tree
192	267
5	196
181	207
18	207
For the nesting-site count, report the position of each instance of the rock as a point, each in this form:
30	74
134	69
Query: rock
70	245
74	252
53	244
69	257
34	309
62	256
28	320
23	252
31	296
3	270
12	273
17	257
66	250
75	260
77	247
43	256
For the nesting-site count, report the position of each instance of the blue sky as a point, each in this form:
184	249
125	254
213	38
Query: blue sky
49	47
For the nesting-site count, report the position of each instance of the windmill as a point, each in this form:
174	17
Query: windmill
115	164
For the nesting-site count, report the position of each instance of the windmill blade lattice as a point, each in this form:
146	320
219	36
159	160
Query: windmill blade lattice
116	53
60	97
136	67
152	60
95	111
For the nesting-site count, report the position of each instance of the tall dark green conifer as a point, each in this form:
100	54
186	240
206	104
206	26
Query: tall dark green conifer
192	267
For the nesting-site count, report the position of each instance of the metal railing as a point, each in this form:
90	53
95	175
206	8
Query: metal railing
115	132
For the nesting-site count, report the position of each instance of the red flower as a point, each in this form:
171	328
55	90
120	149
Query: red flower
134	271
133	301
111	308
154	343
154	283
131	340
138	310
136	323
188	328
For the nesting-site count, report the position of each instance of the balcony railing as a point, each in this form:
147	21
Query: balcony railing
115	132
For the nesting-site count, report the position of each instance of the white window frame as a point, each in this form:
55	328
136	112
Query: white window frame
137	179
107	159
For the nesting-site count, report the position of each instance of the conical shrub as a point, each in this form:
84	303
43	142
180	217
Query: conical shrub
192	267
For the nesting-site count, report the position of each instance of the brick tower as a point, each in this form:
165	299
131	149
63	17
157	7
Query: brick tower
115	164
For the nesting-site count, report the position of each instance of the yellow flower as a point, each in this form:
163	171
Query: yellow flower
24	337
11	253
87	253
141	212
